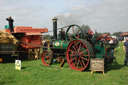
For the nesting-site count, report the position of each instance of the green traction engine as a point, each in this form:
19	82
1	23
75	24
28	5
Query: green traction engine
77	46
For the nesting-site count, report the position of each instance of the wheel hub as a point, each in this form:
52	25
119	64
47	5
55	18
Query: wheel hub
77	55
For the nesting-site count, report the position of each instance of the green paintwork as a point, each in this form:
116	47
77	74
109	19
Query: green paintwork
60	44
100	51
7	26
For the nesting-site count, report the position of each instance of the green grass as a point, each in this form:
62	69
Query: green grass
34	73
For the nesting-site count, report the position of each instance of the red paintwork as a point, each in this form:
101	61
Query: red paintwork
103	37
32	41
29	29
7	30
124	34
32	38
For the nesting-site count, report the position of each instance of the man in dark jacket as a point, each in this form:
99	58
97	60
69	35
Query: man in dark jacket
10	21
61	34
126	51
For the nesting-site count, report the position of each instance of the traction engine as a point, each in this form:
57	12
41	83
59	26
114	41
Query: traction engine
77	46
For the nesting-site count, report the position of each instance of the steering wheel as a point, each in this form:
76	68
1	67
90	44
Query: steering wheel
73	32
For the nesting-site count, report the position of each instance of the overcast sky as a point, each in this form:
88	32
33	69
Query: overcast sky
102	15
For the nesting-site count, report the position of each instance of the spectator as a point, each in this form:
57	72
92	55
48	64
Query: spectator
126	51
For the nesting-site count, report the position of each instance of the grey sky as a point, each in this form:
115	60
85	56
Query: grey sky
103	15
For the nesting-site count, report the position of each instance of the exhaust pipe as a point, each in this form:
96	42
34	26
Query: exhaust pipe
54	28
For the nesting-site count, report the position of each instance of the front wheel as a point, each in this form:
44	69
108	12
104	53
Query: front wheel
47	58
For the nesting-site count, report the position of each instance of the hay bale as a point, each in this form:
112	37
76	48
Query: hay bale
6	37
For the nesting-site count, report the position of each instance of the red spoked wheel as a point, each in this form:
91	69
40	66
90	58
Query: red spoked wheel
47	58
78	54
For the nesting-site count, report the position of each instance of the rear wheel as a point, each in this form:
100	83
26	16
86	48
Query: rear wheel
46	58
78	54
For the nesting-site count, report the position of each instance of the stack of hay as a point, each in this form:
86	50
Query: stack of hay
6	37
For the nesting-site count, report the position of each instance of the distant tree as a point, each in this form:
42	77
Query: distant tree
85	28
107	33
117	34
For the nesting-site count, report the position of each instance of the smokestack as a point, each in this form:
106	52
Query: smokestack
54	27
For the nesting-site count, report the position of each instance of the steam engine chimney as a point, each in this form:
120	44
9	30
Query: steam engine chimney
54	27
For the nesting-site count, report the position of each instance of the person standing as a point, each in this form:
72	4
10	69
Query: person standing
126	51
10	21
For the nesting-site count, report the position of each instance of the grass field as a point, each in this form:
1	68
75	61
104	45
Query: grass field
34	73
